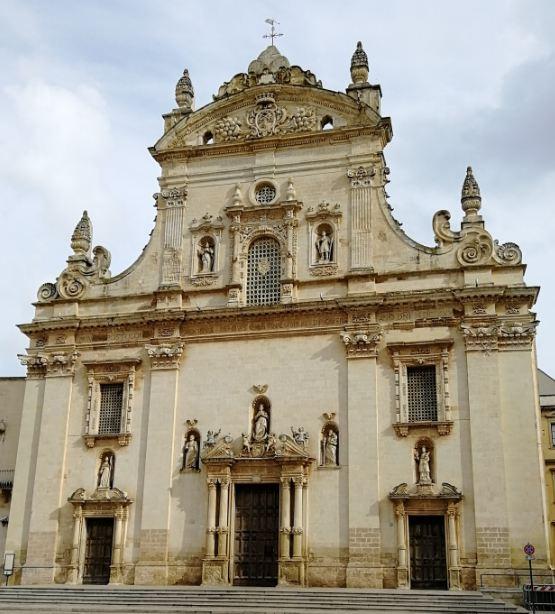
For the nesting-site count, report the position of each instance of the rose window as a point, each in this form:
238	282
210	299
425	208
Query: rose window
265	194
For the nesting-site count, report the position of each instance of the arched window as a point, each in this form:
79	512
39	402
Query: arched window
207	138
263	272
326	123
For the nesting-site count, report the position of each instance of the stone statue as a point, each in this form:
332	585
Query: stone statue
261	423
206	256
271	443
300	436
423	465
324	246
105	473
329	445
246	443
211	438
190	460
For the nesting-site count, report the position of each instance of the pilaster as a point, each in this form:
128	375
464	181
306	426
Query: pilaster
159	459
360	197
20	508
47	490
364	567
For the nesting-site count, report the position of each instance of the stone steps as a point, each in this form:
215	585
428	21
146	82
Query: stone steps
153	600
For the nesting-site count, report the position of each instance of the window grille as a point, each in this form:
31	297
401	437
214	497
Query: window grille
263	272
553	434
111	401
265	194
422	393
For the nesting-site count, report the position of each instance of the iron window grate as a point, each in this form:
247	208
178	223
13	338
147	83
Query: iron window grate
111	401
422	393
264	272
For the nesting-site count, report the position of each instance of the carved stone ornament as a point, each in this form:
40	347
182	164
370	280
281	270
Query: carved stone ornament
83	267
360	343
475	246
165	356
242	448
268	68
427	491
480	337
260	388
361	177
36	365
324	270
324	211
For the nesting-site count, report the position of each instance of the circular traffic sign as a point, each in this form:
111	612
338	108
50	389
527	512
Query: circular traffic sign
529	549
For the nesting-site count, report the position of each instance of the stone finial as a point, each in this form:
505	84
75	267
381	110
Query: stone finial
184	92
359	65
82	235
471	201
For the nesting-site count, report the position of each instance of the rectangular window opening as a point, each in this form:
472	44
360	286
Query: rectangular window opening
422	393
111	402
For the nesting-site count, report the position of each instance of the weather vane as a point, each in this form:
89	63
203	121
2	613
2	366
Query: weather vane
273	34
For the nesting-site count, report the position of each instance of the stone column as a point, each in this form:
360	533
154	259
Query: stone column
285	530
211	519
223	524
159	464
48	487
31	414
454	567
364	568
402	567
75	544
298	518
117	551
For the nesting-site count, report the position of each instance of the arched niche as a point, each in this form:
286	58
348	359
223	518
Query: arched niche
424	462
323	243
329	445
106	469
326	123
261	421
206	254
191	450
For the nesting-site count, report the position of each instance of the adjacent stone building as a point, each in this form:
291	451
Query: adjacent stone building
284	387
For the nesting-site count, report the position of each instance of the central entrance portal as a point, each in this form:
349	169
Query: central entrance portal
428	565
98	553
256	535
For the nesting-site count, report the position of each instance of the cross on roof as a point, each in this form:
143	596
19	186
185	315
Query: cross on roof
273	34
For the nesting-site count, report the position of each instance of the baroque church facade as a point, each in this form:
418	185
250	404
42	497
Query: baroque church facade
284	388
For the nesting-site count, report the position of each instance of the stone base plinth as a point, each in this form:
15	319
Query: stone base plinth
215	572
151	573
362	576
291	572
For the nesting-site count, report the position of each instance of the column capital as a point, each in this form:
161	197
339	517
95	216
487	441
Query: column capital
361	177
362	343
36	365
165	356
61	364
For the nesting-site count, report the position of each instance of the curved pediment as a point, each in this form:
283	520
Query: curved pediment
267	111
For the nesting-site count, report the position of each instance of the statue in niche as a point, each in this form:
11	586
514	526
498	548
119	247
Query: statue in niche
324	246
105	472
206	257
261	424
330	442
422	459
300	436
190	453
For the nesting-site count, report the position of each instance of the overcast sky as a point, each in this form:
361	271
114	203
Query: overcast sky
83	85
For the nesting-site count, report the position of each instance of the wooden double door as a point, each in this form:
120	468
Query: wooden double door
98	550
256	535
428	563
